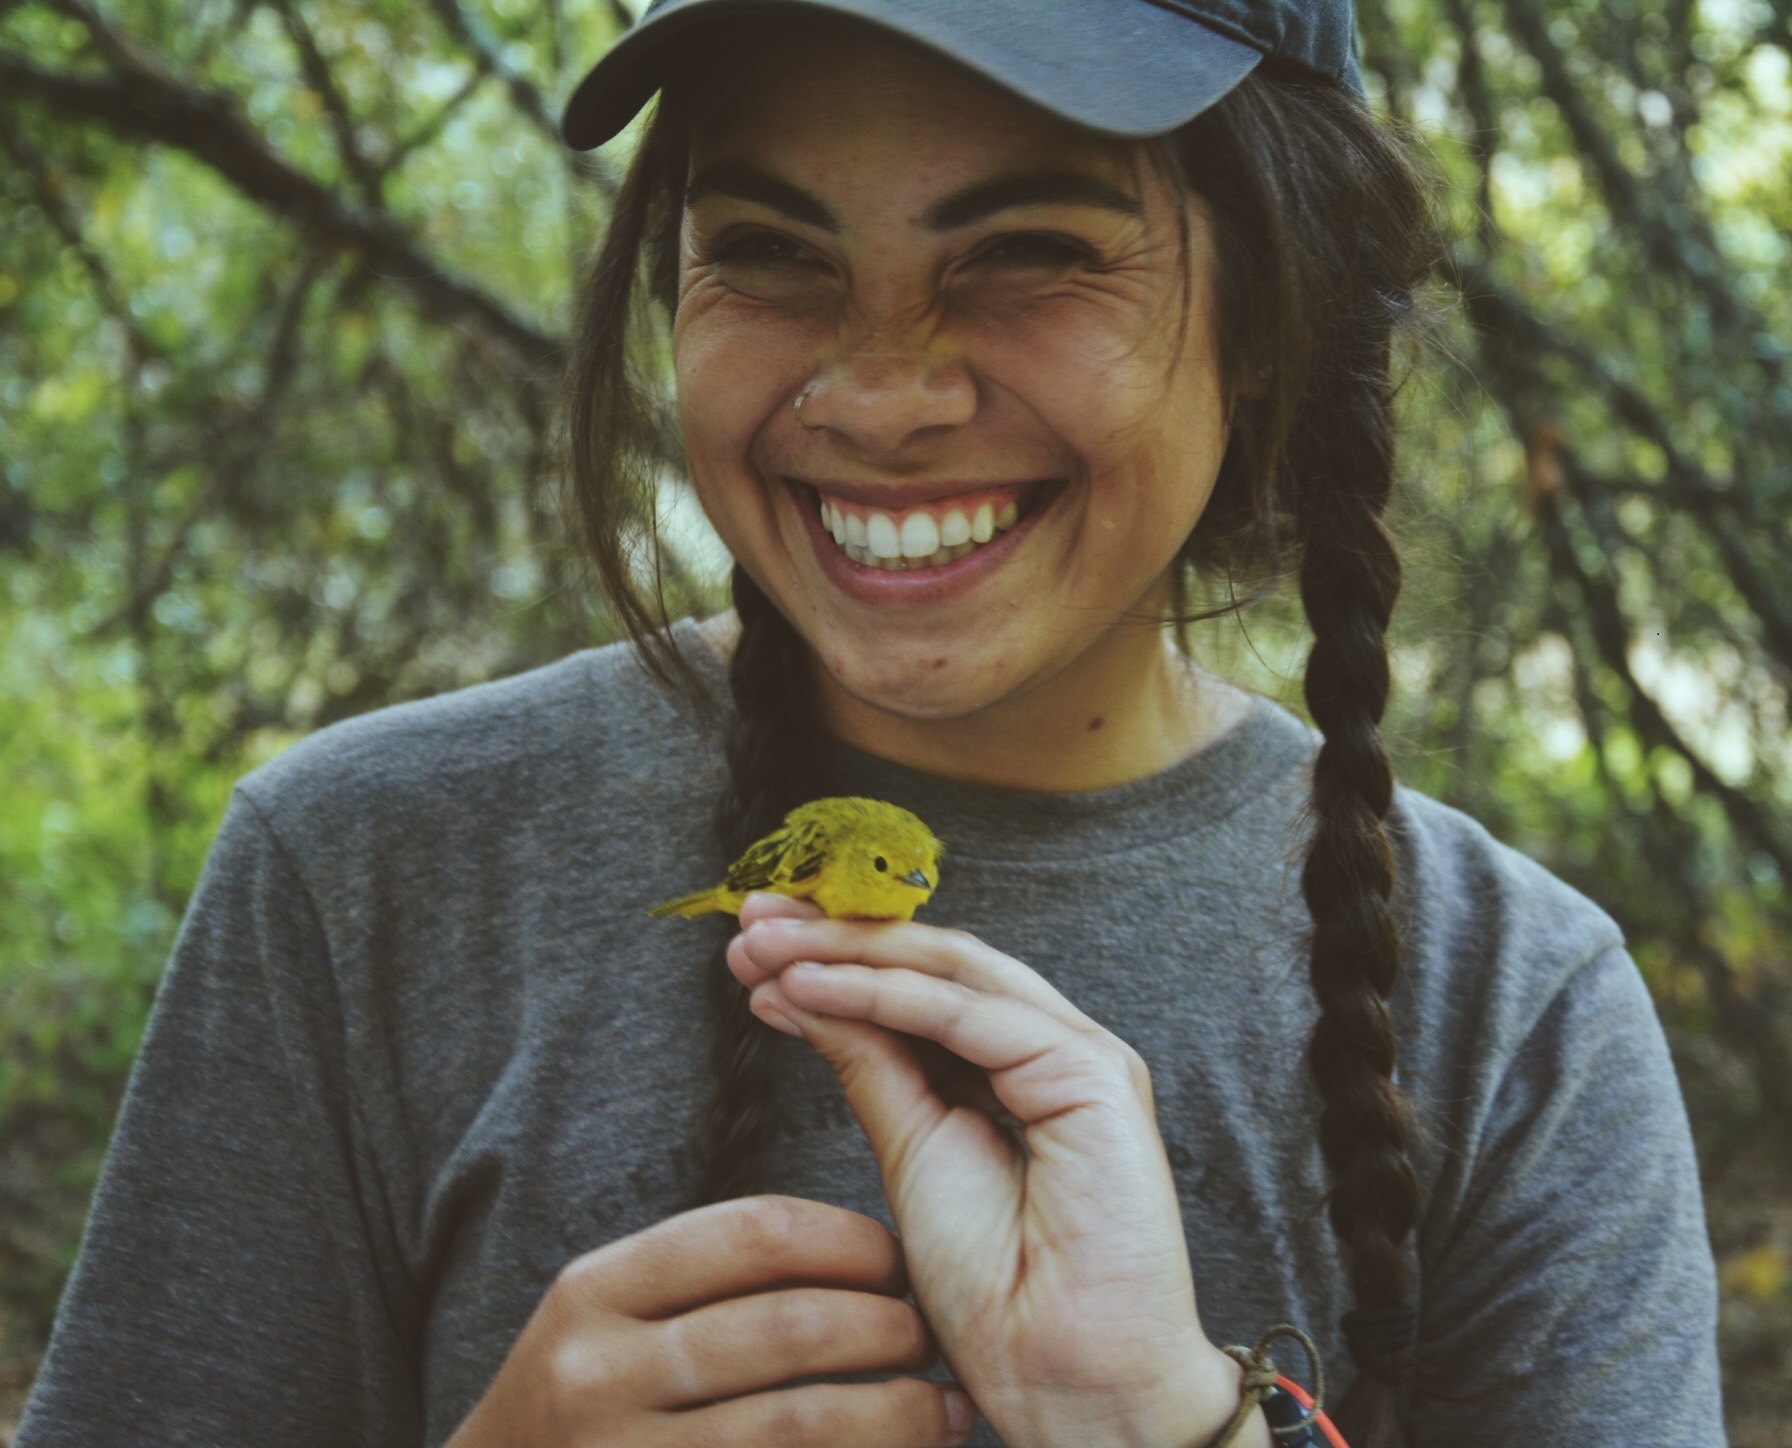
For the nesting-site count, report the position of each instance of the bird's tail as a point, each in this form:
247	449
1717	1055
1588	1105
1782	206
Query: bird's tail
704	902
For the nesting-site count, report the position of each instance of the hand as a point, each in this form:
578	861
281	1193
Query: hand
1048	1259
680	1335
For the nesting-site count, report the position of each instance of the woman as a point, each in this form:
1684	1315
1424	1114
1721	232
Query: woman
991	325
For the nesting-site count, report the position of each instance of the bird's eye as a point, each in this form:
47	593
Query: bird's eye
880	863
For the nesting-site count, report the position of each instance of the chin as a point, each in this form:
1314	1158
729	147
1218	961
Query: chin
923	691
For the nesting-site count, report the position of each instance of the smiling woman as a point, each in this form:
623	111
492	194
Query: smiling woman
994	329
976	308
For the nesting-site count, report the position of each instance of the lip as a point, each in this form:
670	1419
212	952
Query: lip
881	588
896	497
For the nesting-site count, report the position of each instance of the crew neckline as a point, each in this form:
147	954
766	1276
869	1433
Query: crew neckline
1263	755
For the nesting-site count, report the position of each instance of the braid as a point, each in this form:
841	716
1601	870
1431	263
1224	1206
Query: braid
770	771
1322	234
1349	578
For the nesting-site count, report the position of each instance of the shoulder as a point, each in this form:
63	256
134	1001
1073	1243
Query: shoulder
1469	906
1515	983
1490	938
1471	903
589	724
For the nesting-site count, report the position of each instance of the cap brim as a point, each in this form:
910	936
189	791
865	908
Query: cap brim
1114	66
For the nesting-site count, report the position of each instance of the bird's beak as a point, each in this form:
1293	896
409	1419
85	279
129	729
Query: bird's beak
917	878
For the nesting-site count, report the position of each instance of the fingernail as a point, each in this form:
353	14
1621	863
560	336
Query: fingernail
804	967
778	1021
961	1412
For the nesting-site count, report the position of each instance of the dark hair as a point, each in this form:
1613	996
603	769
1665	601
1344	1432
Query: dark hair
1322	231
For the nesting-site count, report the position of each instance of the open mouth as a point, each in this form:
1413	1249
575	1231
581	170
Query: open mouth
926	535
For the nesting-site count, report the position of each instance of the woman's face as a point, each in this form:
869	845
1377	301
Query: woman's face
1011	405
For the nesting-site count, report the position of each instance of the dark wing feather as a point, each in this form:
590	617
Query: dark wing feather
807	856
794	852
758	867
808	844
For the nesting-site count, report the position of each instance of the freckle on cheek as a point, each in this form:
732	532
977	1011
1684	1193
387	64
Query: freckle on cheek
1095	723
939	663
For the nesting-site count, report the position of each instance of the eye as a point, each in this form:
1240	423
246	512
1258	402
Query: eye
761	248
770	267
880	864
1034	249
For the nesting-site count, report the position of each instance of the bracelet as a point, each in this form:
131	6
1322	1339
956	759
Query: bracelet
1292	1415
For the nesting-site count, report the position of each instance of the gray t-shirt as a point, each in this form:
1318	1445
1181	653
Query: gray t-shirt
419	1045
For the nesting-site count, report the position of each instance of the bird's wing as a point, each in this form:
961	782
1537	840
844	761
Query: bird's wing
785	856
758	867
806	852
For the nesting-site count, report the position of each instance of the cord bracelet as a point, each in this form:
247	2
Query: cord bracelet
1296	1419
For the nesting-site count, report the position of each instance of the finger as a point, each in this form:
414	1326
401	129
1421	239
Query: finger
902	1413
759	906
896	1095
765	905
907	1102
1038	1067
745	969
735	1247
749	1343
773	945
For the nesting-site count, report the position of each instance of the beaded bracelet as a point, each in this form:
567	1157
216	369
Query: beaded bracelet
1293	1416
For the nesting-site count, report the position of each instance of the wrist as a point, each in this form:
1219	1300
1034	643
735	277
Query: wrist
1214	1408
1188	1409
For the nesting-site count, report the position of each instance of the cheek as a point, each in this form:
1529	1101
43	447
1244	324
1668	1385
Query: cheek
1150	444
720	394
734	373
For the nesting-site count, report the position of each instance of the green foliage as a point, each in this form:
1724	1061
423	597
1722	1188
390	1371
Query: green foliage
277	395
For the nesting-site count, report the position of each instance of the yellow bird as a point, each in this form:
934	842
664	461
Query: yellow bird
858	859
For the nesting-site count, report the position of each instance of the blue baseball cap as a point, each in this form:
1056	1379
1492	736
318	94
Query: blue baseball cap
1128	68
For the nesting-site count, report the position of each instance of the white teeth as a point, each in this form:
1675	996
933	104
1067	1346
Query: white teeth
881	536
920	536
919	540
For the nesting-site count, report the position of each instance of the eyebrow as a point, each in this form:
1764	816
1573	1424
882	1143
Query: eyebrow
745	182
984	199
977	202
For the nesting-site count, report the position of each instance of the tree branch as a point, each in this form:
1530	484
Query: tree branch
1692	255
318	75
1611	635
139	102
240	452
523	92
430	128
1472	76
64	222
1509	330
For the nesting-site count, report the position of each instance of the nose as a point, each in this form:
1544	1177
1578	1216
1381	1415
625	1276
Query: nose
879	402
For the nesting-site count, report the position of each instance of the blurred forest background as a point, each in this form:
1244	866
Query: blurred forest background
283	293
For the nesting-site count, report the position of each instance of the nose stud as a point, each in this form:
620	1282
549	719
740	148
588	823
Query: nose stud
801	398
